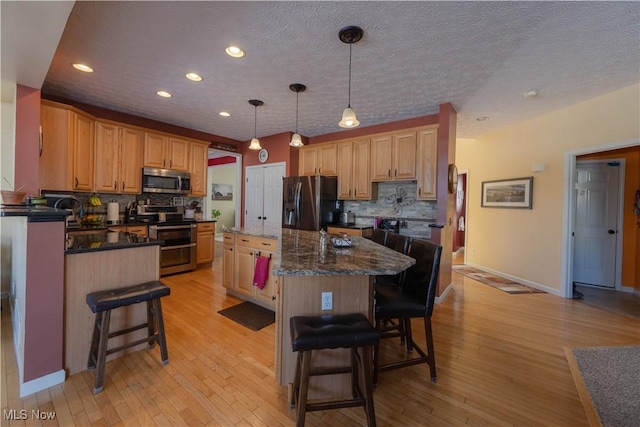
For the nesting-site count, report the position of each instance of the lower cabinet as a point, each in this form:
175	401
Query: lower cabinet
239	261
141	230
205	244
364	232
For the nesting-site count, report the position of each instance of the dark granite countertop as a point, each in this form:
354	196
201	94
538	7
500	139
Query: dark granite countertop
352	226
105	227
107	241
34	213
299	254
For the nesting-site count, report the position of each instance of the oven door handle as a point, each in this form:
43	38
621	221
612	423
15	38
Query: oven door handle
166	248
172	227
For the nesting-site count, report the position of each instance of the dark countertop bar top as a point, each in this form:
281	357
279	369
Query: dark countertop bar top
34	213
105	227
300	254
352	226
107	241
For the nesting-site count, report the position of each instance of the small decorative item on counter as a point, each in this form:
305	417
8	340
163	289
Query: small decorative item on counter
341	242
215	213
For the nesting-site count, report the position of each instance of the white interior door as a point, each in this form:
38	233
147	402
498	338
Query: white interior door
263	195
596	223
272	201
253	191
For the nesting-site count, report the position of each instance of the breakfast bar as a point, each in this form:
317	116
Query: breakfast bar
307	268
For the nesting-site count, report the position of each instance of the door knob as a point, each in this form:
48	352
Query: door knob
611	232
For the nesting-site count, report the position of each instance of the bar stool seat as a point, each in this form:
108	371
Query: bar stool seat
353	331
102	302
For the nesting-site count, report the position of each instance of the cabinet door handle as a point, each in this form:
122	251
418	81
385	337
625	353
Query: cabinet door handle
244	240
41	143
115	185
77	182
122	185
419	191
389	173
395	173
319	171
170	163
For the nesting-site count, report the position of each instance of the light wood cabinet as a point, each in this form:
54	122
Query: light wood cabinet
140	230
364	232
240	253
118	167
198	169
354	179
228	260
205	247
318	160
66	160
393	156
427	163
166	152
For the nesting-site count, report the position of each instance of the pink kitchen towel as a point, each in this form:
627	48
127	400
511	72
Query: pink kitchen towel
261	273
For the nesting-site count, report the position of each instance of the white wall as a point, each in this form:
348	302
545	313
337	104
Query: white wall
7	160
527	244
223	174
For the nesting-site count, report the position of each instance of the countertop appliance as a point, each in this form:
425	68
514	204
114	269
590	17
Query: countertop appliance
390	224
310	202
154	214
165	181
347	218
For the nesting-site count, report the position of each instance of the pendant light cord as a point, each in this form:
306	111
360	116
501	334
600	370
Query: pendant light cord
349	103
255	121
297	94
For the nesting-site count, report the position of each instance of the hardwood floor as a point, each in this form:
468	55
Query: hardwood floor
499	356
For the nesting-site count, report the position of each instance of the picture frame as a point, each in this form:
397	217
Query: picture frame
515	193
221	192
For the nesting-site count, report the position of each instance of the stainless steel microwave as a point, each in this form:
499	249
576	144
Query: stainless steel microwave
165	181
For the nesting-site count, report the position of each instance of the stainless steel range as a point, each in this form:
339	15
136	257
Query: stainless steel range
167	223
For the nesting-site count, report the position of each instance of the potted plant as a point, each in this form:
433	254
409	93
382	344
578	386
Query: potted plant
215	213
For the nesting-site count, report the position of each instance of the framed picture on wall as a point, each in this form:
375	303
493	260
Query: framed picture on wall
508	193
221	192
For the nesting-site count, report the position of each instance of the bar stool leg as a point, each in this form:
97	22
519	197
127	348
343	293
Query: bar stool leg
366	366
95	339
150	323
102	351
162	340
301	408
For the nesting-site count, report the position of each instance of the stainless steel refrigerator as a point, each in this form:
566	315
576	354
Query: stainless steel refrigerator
310	202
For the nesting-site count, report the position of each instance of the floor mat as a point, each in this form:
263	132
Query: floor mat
506	285
249	315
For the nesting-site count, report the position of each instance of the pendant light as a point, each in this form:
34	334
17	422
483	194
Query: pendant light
296	139
255	143
349	35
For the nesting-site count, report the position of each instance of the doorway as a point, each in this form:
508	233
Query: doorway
225	169
597	226
610	151
460	216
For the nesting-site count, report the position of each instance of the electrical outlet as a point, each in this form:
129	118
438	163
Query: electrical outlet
327	300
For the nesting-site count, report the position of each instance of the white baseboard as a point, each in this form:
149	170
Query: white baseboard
535	285
443	295
42	383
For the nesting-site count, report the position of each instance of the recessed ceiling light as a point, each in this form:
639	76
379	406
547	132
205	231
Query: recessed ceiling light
164	94
83	67
530	93
482	118
224	114
234	52
194	77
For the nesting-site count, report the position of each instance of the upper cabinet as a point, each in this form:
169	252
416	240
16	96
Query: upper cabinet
118	167
166	152
393	156
198	169
66	149
354	177
427	163
318	159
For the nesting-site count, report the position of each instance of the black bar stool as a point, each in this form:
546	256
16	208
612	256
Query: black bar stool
351	331
102	302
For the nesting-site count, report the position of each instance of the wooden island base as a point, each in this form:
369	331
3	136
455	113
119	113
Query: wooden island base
302	296
100	270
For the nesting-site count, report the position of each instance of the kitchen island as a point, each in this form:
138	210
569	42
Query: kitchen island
305	269
99	261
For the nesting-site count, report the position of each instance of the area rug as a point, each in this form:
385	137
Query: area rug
506	285
249	315
608	382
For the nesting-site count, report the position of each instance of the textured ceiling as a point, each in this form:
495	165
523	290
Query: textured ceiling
480	56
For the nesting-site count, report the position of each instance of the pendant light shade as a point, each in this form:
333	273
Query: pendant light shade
296	139
255	142
349	35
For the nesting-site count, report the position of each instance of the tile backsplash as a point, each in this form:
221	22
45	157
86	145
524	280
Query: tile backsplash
397	200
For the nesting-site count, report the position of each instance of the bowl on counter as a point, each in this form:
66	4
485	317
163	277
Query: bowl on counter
92	219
